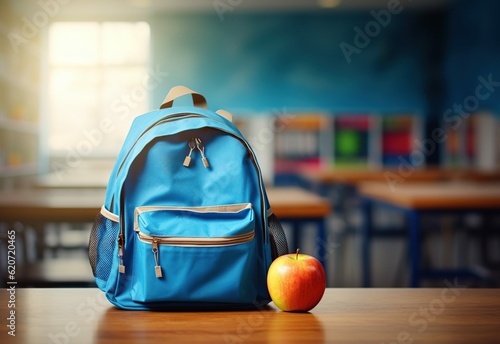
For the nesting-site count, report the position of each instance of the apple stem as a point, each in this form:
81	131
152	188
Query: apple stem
297	254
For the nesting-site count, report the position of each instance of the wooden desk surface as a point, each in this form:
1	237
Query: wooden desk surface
291	202
45	205
435	195
354	176
440	315
82	205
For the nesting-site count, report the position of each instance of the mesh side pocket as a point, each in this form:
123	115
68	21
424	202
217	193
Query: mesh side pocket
279	245
102	242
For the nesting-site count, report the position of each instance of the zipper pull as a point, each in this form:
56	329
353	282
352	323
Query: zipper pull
201	148
121	267
187	159
154	248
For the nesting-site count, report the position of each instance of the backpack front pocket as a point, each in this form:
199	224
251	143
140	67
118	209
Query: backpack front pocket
194	254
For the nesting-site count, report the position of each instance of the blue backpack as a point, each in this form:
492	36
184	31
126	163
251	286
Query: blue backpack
186	223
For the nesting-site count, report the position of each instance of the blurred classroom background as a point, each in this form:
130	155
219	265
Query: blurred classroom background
387	110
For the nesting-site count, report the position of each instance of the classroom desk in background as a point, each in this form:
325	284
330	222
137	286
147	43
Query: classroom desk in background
37	207
299	207
443	315
324	178
341	185
82	205
344	181
416	200
330	176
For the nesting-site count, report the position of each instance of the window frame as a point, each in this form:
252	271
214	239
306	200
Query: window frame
47	153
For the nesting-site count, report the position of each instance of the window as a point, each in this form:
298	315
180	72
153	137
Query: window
95	69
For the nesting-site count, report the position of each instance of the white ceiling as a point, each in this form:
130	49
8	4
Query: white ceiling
134	7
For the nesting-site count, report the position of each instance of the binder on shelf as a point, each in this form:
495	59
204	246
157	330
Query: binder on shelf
374	140
399	133
300	142
460	144
351	140
473	143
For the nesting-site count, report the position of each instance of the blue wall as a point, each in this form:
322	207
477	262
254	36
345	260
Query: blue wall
473	50
259	62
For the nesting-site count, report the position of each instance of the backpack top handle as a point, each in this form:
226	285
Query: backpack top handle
198	100
179	91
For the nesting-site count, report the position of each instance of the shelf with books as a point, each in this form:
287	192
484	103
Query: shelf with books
21	126
460	144
19	100
300	142
473	142
18	170
16	149
374	140
346	141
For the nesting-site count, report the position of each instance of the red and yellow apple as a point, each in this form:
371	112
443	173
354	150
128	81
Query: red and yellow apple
296	282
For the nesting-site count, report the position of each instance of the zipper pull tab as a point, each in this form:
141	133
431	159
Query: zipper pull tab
187	159
121	267
201	148
154	248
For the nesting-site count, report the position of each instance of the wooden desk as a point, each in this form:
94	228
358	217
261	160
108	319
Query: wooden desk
443	195
441	315
341	185
51	205
416	199
298	207
296	203
355	176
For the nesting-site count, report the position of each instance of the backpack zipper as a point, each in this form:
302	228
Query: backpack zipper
201	148
155	241
195	142
154	249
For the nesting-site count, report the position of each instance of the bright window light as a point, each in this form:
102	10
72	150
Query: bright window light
93	66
